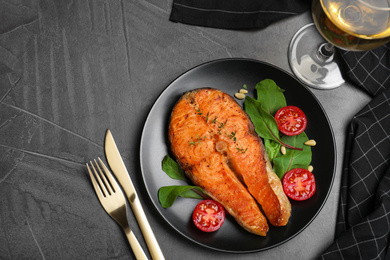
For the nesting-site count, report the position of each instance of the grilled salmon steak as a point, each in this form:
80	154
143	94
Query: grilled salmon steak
214	142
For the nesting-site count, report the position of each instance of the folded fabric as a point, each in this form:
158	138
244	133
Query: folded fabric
363	219
369	70
233	14
363	222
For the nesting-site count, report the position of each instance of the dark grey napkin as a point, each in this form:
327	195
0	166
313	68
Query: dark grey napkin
369	70
363	221
235	14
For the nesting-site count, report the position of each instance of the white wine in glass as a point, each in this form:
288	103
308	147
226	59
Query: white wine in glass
354	25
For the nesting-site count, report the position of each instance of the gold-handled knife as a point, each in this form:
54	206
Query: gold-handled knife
117	166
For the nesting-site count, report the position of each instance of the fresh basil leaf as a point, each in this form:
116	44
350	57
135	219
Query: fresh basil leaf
168	194
270	96
293	158
173	169
265	124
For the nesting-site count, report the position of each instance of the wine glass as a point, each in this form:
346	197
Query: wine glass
354	25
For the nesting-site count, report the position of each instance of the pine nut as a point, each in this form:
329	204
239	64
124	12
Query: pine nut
310	168
239	95
311	142
243	91
283	150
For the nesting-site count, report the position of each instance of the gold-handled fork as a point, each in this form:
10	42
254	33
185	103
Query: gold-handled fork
113	201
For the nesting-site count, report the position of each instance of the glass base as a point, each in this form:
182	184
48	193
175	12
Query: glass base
308	64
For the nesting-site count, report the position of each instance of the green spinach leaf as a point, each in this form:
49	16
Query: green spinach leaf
270	99
272	148
168	194
270	96
293	158
173	170
265	124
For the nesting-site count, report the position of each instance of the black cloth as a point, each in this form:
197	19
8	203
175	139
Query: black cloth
235	14
369	70
363	219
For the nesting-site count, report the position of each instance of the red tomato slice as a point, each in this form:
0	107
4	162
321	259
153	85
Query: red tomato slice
299	184
208	215
291	120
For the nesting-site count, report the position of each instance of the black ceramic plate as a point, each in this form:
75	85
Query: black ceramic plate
230	75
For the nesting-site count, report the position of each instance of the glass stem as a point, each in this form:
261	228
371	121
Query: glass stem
326	50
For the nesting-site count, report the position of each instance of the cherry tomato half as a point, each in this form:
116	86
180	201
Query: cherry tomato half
208	215
299	184
291	120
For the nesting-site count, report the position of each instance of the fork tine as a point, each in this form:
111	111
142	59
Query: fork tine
103	189
96	186
113	183
103	176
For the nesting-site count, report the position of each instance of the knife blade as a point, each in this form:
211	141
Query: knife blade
118	167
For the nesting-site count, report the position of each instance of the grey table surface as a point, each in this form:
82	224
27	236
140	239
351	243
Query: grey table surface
69	70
